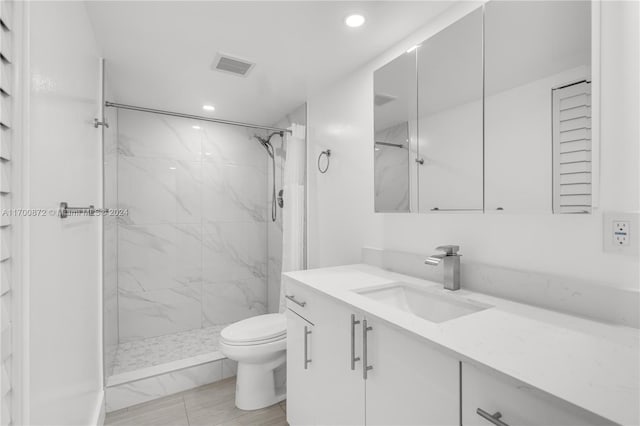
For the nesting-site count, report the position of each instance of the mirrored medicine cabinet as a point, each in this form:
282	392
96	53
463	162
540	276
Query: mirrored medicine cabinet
491	114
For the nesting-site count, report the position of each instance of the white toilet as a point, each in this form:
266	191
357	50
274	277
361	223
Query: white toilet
258	344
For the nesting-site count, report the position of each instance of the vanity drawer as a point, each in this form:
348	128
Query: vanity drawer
518	404
301	300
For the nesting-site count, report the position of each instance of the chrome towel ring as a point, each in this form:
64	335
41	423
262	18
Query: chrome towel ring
326	153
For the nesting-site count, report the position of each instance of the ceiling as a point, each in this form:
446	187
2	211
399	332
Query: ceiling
159	53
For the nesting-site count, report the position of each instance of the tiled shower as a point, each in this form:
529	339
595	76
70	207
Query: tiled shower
196	249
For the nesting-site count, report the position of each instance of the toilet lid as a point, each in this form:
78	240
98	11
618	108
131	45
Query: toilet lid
262	327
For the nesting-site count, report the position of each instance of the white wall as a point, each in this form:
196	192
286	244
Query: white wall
62	257
341	218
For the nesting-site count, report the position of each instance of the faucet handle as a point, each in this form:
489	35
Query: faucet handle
450	250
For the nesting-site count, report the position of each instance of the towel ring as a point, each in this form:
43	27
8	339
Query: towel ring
328	154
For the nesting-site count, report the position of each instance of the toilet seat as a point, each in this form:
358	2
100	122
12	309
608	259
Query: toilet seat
257	330
255	343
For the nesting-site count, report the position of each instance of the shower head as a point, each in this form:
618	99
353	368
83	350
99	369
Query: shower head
266	142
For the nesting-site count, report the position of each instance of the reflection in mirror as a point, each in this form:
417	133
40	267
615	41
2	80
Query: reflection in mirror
536	55
394	119
450	118
392	169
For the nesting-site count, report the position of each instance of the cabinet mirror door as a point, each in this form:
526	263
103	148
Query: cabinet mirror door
537	106
450	146
394	134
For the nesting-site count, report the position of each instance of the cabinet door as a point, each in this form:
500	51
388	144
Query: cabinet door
340	391
517	404
300	373
411	383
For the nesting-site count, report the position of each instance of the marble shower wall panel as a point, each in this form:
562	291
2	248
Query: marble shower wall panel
159	256
144	135
158	190
234	250
193	249
157	312
233	300
234	193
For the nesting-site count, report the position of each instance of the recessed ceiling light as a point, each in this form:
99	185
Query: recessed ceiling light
354	21
208	107
412	48
195	127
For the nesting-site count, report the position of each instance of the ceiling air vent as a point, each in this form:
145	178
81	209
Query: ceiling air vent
231	65
381	99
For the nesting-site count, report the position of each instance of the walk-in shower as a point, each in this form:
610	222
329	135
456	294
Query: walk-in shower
200	248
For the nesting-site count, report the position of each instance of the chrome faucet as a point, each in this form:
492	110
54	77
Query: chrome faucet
451	262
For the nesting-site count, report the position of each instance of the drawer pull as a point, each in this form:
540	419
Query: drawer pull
493	418
365	350
354	358
307	361
293	299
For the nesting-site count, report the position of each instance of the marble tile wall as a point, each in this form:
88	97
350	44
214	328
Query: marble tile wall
192	251
274	229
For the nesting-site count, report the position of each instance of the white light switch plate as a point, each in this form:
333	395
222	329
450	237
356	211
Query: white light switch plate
620	232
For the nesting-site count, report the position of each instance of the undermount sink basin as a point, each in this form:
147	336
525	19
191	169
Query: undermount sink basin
421	302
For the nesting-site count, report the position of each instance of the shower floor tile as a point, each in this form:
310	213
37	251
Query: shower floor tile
159	350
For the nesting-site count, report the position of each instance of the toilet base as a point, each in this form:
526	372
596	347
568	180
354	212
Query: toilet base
255	385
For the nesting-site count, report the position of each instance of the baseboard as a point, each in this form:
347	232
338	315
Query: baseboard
100	411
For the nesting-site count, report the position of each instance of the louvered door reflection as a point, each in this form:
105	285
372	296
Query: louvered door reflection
572	177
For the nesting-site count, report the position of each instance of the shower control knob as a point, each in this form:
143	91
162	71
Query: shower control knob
281	198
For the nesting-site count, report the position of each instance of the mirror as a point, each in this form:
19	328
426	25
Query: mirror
394	129
450	145
537	106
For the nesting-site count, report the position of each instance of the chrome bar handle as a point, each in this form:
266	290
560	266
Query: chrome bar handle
293	299
354	359
493	418
307	361
65	210
365	366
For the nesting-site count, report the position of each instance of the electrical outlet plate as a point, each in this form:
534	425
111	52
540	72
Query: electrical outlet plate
621	232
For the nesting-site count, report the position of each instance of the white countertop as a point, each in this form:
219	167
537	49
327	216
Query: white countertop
592	365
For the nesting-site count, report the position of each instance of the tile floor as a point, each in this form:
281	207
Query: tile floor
210	405
153	351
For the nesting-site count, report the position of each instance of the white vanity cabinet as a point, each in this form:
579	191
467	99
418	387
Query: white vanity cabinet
300	372
462	371
517	404
325	390
410	383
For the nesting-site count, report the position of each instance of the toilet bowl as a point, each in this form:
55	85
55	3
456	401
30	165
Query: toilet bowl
258	344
